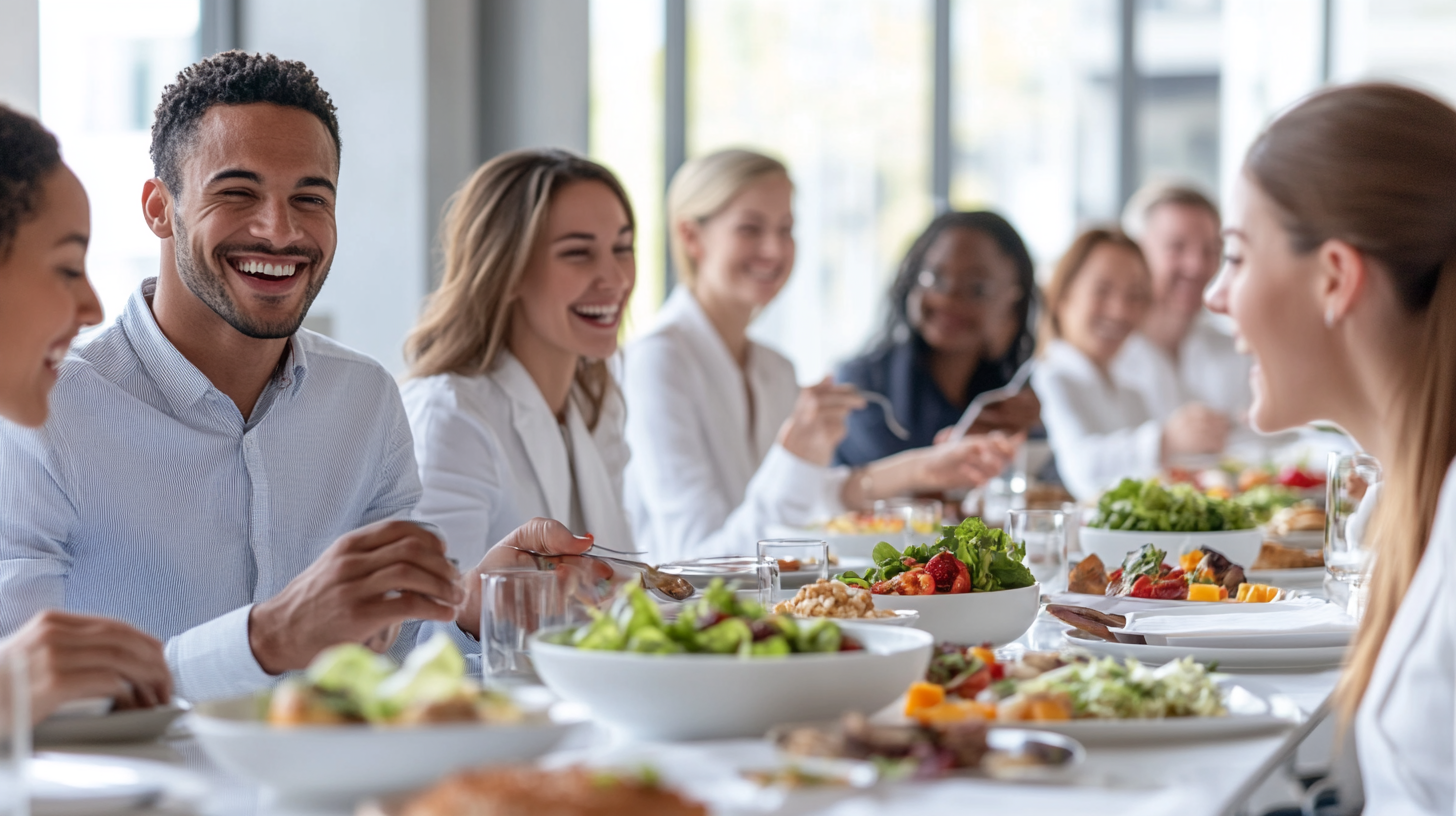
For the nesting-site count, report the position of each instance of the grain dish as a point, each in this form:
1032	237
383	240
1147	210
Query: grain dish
832	599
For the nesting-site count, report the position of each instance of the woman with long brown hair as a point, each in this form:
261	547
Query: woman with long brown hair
513	410
1341	277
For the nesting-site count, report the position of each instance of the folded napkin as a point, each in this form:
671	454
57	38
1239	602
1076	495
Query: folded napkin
1305	622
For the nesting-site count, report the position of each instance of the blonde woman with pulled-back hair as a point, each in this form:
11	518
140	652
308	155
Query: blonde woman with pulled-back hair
1341	278
513	410
724	441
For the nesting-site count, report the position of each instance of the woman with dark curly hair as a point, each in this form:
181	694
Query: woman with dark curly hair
959	324
45	299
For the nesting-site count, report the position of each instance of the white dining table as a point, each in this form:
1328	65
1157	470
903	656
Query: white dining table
1197	778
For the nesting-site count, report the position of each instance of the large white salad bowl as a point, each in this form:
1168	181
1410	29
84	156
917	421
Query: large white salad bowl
1112	546
328	763
701	696
972	618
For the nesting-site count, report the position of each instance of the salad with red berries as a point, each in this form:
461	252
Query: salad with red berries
969	557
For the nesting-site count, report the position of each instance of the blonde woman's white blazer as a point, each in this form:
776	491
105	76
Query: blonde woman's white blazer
1099	429
491	456
1405	730
700	484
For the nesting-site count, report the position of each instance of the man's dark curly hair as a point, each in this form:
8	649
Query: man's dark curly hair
230	78
28	153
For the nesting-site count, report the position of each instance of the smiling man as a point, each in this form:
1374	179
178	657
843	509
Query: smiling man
212	474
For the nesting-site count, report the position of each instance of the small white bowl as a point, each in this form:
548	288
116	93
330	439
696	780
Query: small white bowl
332	763
1112	546
701	696
973	618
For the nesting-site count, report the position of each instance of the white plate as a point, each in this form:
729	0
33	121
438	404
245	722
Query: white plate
1253	709
119	726
903	617
1289	578
67	784
1315	658
330	763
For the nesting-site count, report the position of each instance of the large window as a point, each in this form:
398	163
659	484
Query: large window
841	92
103	66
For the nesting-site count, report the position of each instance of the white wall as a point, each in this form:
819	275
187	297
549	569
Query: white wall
20	55
370	56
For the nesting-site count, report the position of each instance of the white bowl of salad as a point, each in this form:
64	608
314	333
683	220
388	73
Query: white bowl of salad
354	725
723	668
971	586
1176	519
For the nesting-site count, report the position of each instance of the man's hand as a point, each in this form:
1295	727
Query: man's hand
72	657
556	547
367	582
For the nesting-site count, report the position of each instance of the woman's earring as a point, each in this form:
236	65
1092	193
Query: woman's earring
1330	317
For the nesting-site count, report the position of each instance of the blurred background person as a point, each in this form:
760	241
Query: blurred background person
1100	429
724	441
1179	354
513	409
959	323
45	300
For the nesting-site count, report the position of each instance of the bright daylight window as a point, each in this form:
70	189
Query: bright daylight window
841	92
103	66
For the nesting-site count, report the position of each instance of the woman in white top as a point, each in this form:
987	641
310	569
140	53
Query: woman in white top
513	409
1341	278
1100	429
45	299
724	442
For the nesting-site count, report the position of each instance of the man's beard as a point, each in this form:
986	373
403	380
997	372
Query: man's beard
208	287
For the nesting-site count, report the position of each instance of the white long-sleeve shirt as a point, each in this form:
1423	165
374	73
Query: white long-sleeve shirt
1100	430
1405	729
702	482
1209	370
492	455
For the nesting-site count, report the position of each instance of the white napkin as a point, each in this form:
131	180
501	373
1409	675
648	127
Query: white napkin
1301	623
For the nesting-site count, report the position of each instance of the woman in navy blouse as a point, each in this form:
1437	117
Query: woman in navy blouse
959	324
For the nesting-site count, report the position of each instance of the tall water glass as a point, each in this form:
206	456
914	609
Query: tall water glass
14	735
1351	492
1044	532
515	604
919	520
805	558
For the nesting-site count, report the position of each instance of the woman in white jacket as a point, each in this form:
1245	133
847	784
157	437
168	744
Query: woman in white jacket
724	442
1341	278
513	409
1100	429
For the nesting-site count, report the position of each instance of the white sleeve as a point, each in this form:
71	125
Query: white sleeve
674	476
463	471
1088	460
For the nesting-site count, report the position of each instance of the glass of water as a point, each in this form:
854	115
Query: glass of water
515	604
1044	532
918	520
14	734
805	558
1351	492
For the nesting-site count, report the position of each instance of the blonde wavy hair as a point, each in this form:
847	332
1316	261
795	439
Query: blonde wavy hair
702	188
492	224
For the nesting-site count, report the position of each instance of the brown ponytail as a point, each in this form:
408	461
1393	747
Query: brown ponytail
1374	165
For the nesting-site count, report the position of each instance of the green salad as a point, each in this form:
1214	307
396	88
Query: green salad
717	622
992	559
1151	507
1107	688
1265	500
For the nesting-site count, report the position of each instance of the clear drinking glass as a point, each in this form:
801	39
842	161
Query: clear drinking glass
1074	527
919	520
14	735
1045	534
804	557
1351	492
514	605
